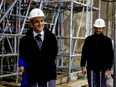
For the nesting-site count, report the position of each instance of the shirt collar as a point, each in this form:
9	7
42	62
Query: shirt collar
35	34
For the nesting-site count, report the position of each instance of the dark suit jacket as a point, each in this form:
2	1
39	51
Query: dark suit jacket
40	64
97	52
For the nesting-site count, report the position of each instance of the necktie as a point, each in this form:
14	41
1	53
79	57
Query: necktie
39	40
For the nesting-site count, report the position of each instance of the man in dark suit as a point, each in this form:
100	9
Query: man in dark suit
39	50
97	56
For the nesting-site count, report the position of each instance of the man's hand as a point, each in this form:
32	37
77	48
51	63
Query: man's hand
83	71
107	72
21	69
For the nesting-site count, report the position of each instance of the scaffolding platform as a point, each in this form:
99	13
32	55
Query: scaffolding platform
78	83
62	81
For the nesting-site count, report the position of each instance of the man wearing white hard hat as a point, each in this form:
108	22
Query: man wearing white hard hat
97	56
39	50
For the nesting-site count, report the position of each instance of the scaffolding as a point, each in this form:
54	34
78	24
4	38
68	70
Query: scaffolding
69	20
115	47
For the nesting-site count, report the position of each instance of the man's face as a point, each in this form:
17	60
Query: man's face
37	23
98	30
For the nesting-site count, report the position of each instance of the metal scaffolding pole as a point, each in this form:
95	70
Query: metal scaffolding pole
115	49
71	35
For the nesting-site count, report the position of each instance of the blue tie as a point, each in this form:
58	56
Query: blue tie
39	40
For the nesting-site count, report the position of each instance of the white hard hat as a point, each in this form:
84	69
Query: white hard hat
99	23
36	0
36	13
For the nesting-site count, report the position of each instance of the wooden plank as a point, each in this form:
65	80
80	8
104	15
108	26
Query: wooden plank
11	84
78	83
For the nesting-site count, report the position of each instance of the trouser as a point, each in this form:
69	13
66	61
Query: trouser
38	84
51	83
24	80
96	78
